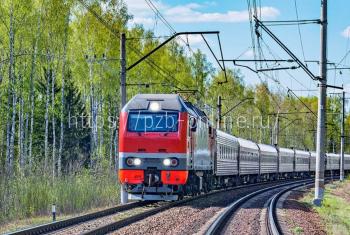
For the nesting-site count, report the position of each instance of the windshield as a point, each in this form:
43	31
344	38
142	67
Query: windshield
153	122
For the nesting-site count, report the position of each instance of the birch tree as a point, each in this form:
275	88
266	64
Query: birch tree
12	97
59	160
48	74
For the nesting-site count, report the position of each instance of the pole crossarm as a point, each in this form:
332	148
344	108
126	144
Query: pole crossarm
285	48
262	70
331	86
280	68
338	68
290	22
318	21
167	41
267	60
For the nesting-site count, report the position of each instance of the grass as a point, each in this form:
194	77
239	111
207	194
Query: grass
27	200
335	210
298	230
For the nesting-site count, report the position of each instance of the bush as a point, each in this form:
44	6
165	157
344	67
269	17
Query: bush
30	196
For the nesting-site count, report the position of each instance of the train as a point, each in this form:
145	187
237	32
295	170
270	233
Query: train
168	148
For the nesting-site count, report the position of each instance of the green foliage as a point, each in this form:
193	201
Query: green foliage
298	230
335	209
45	41
33	196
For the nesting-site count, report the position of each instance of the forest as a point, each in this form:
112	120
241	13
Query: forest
60	101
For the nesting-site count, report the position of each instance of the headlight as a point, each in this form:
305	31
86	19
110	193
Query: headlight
166	162
137	161
170	162
130	161
154	106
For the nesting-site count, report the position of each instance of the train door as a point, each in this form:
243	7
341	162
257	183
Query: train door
192	126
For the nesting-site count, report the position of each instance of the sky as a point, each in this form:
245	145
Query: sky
231	18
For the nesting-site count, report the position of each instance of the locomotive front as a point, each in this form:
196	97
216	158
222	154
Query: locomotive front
153	147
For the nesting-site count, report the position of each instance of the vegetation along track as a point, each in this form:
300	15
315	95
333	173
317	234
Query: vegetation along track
50	227
115	218
225	221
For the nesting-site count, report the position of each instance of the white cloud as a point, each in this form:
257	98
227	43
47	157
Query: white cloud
346	32
192	40
142	20
192	13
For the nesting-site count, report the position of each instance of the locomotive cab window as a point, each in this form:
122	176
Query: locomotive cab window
153	122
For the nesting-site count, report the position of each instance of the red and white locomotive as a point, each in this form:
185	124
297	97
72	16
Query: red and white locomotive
168	148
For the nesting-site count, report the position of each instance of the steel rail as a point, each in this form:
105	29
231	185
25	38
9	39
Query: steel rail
273	226
133	219
50	227
220	222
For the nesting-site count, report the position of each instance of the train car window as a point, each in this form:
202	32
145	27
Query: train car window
223	152
153	122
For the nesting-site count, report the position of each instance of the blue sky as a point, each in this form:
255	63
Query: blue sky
230	17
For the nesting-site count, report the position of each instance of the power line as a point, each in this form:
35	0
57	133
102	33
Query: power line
279	83
301	40
289	90
116	33
272	77
148	37
288	73
159	15
166	23
344	57
171	28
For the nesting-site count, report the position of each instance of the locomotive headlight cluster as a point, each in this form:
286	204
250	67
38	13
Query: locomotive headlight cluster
154	106
170	162
131	161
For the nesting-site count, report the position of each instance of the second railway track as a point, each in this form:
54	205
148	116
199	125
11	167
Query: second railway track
247	213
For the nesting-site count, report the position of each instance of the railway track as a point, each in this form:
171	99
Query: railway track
133	219
50	227
272	225
65	226
221	223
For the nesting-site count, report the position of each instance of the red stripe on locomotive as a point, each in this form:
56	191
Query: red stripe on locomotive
131	176
174	177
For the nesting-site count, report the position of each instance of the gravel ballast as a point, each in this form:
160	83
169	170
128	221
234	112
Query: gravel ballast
191	218
299	218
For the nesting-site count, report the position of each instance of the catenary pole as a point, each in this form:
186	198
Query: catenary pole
342	140
277	130
123	69
219	117
321	117
123	193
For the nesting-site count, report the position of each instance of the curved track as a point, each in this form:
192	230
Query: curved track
273	226
132	219
221	222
